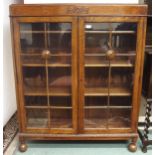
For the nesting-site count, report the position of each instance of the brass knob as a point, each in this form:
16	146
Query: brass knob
110	54
45	54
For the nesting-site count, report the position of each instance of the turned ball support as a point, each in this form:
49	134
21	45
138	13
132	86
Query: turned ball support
132	147
22	147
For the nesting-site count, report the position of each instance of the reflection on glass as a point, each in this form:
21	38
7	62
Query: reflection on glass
37	118
95	118
61	101
60	81
119	118
46	65
61	118
36	101
34	80
35	37
110	51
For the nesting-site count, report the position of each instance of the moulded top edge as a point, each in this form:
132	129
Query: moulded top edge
77	9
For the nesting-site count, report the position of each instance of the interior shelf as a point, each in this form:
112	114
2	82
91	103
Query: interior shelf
54	31
30	91
104	92
47	107
48	65
37	51
59	53
117	54
100	63
113	32
36	107
105	107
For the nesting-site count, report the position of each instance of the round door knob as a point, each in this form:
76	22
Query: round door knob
45	54
110	54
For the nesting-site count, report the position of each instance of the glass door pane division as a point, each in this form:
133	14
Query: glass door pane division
95	77
60	75
111	91
122	118
29	37
45	56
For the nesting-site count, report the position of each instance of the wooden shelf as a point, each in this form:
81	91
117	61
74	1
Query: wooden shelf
104	92
102	63
47	107
49	65
59	53
107	32
38	32
105	107
117	54
37	51
52	92
60	107
86	107
60	91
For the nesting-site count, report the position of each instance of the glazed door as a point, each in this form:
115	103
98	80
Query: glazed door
48	73
108	76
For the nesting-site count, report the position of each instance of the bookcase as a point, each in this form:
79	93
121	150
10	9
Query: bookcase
78	71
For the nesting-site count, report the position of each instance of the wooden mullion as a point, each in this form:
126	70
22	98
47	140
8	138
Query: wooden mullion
47	91
74	74
81	74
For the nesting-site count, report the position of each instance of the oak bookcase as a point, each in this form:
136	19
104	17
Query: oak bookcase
78	70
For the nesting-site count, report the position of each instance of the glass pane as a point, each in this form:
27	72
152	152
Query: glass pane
61	102
35	38
95	112
46	64
36	101
96	75
37	118
61	112
120	101
59	81
119	118
110	52
59	37
61	118
61	60
122	73
96	81
124	43
34	79
95	118
32	37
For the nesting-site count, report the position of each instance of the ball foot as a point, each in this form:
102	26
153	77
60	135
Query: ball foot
132	147
22	147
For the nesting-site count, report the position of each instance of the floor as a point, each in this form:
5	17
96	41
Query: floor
75	148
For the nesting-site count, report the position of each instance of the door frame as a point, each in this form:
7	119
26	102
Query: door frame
19	77
136	94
